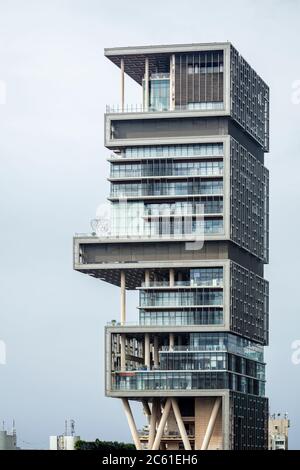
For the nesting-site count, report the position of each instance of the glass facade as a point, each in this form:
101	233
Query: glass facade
196	361
206	276
159	92
175	380
205	106
137	219
206	205
199	316
199	192
181	298
167	168
182	150
193	361
225	342
170	188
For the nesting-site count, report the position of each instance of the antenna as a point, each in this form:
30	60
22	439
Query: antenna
66	427
72	425
14	428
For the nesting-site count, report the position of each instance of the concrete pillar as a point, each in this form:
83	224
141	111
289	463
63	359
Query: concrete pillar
211	424
122	85
146	103
171	341
172	82
147	410
123	298
153	420
123	352
131	424
181	426
147	350
162	424
171	277
147	278
155	351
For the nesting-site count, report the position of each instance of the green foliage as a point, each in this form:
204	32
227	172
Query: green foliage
107	446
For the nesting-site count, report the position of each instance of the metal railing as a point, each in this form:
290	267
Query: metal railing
201	348
140	108
142	324
151	174
123	156
190	283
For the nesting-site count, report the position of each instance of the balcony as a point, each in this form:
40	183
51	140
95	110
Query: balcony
186	151
139	108
169	380
191	283
176	173
180	298
191	348
160	381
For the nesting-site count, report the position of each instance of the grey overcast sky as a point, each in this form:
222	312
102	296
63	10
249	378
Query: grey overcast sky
52	178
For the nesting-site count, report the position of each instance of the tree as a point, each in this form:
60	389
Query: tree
107	446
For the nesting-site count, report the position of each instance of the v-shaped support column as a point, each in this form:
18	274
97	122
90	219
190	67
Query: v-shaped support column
162	423
131	423
181	425
211	424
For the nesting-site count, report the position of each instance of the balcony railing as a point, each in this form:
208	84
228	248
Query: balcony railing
190	283
150	322
186	380
140	108
170	380
201	348
130	173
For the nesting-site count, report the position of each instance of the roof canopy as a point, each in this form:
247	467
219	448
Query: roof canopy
159	57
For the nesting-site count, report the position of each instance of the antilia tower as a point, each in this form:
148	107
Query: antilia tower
188	230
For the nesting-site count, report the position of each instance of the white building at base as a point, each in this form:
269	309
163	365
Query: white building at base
63	442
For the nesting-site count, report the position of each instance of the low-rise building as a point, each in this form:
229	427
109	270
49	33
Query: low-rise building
278	432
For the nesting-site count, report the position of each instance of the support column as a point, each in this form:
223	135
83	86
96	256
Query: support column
155	352
181	425
171	277
147	350
147	278
172	82
123	352
146	96
123	298
147	409
122	84
171	341
211	424
131	424
162	424
153	420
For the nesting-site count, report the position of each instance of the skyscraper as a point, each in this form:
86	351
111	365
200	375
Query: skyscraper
188	230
